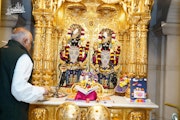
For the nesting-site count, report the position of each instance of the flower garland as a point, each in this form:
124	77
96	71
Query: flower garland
66	52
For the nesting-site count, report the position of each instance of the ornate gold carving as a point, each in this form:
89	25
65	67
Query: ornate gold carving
128	19
98	112
68	111
48	57
117	114
54	112
99	91
125	54
137	115
107	9
39	114
83	113
38	55
77	7
133	52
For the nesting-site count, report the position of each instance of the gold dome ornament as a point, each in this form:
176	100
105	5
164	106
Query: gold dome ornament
68	111
98	112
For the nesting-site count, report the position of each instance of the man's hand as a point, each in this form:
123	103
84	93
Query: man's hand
47	90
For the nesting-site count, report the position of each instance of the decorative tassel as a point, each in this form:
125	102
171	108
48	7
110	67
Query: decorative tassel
113	38
82	34
67	52
80	53
98	57
69	34
87	47
117	54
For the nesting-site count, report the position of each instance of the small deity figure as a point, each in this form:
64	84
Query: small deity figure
105	59
88	76
123	86
73	56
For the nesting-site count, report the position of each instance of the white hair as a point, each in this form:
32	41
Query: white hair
19	35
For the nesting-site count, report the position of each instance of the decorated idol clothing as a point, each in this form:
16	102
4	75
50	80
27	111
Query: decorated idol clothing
105	59
73	56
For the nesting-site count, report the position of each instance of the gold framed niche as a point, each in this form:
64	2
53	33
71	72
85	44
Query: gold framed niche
128	19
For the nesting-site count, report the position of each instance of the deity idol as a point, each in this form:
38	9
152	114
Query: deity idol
73	56
105	59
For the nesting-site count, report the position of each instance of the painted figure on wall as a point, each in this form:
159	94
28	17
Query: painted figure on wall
73	56
105	59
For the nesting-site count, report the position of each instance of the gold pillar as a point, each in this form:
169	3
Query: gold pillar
125	53
38	49
143	48
48	54
133	44
45	47
132	62
138	52
56	55
58	44
121	58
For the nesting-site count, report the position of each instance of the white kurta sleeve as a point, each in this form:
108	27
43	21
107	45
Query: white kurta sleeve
21	89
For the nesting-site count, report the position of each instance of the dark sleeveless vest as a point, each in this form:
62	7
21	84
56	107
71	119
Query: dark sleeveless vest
10	108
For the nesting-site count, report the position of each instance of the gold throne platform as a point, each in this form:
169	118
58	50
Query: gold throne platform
128	19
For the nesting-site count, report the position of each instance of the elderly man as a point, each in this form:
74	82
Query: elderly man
16	64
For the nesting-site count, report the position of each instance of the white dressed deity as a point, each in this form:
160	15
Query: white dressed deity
73	56
105	59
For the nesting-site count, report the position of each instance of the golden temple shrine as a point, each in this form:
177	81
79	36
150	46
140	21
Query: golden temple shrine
102	42
126	20
94	55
